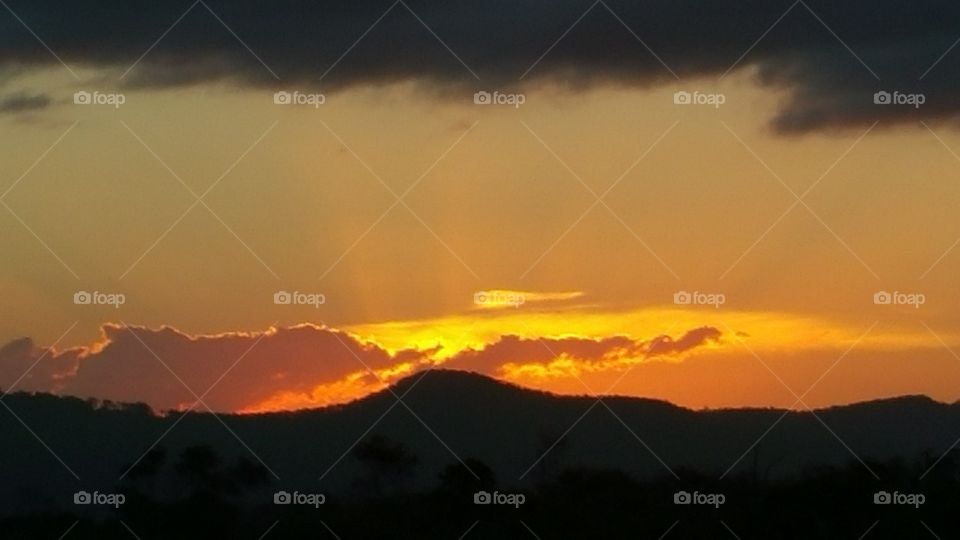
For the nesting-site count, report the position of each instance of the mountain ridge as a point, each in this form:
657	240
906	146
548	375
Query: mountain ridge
445	381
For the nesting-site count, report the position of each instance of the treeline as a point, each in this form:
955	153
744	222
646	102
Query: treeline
215	499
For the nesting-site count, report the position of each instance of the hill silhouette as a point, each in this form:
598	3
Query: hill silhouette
461	428
446	415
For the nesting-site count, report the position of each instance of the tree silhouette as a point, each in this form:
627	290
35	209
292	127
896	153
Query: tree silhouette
247	474
149	465
551	448
198	466
468	477
388	464
141	477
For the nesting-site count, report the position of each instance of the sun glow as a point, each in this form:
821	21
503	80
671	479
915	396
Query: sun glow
759	330
440	339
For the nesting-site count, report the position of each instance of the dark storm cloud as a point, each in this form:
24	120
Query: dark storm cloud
22	102
830	57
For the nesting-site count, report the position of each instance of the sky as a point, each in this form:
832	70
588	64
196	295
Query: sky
176	232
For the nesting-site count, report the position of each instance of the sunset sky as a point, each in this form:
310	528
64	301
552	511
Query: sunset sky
399	199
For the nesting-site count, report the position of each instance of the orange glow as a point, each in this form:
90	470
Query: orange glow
352	387
743	335
761	331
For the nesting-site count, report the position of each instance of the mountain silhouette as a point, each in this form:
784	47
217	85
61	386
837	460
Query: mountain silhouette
446	419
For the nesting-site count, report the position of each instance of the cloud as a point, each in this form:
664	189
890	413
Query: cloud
507	298
518	350
829	57
514	351
698	337
299	366
157	366
24	365
22	102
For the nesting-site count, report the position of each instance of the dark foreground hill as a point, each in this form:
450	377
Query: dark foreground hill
459	432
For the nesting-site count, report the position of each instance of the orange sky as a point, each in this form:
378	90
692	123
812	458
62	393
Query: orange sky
501	199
